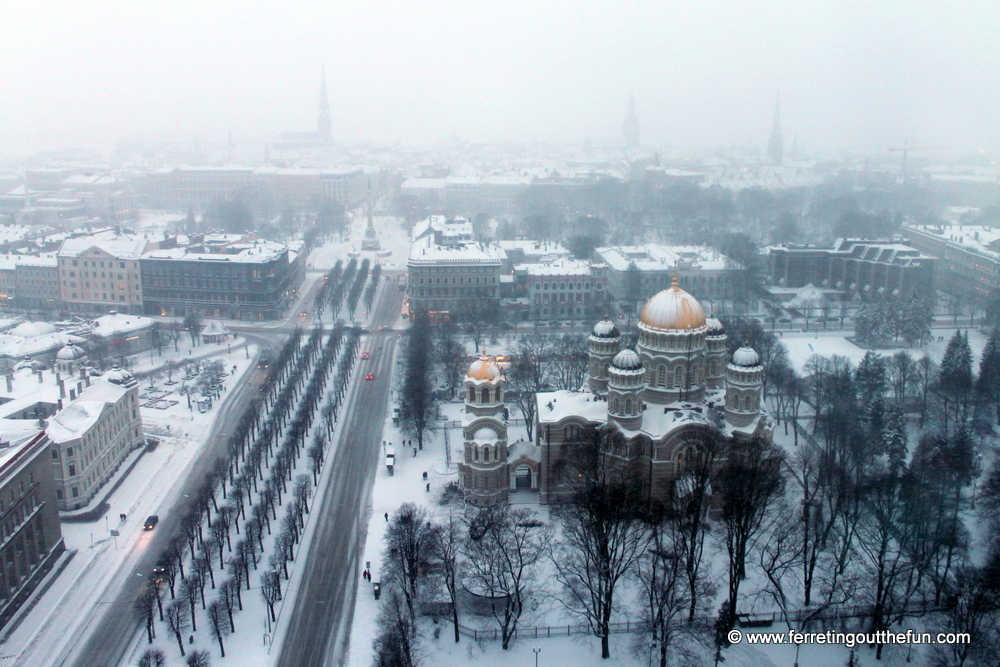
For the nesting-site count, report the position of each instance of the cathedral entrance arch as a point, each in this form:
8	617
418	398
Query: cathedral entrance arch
522	477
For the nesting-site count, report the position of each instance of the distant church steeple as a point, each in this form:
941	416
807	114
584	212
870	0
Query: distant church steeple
323	125
776	145
630	127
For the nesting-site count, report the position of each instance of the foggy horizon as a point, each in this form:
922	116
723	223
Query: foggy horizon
849	75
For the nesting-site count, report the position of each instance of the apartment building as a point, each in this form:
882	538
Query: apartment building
99	272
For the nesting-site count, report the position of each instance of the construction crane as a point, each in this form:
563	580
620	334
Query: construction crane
908	147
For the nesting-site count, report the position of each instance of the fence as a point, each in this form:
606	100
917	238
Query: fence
743	621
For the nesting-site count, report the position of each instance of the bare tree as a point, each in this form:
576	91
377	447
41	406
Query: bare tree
409	540
145	611
189	595
529	374
217	621
177	620
750	481
270	590
603	534
446	550
395	632
199	658
665	597
152	657
503	548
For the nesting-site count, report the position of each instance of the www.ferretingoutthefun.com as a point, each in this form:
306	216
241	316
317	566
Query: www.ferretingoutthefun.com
848	639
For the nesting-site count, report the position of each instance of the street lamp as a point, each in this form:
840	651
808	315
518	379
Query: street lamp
537	650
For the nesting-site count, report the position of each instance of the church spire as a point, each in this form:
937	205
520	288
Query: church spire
775	145
630	127
324	126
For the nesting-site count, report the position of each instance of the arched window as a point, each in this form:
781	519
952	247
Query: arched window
475	453
486	395
486	454
499	394
711	367
747	403
628	406
679	376
661	376
618	406
472	395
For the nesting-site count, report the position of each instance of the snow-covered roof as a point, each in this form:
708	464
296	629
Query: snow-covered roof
426	251
808	296
15	347
32	329
214	328
108	325
74	420
257	251
115	243
18	433
977	238
555	406
423	184
564	266
660	257
10	262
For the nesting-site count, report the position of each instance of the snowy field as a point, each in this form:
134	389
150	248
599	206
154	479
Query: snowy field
802	345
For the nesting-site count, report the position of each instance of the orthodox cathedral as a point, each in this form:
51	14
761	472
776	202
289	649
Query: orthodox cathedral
677	388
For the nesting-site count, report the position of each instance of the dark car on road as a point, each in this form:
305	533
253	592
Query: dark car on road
151	522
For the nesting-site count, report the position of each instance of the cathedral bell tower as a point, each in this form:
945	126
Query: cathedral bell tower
744	382
483	471
605	342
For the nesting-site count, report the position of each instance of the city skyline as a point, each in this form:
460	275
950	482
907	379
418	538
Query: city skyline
850	75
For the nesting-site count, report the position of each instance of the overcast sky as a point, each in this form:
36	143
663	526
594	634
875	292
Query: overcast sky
851	74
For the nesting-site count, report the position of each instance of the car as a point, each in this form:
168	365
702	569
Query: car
784	319
385	329
370	376
303	314
150	522
159	572
365	355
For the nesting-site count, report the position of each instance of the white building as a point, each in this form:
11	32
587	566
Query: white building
92	435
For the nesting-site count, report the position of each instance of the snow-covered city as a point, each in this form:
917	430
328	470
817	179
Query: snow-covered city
385	336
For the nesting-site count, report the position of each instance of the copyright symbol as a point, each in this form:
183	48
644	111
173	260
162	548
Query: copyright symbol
735	636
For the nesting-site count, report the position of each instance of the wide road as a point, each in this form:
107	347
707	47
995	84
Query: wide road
325	601
113	634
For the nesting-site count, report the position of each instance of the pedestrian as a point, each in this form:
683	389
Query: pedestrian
428	487
124	517
414	451
387	517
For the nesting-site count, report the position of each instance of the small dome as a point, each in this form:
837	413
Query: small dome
32	329
605	329
715	327
484	368
671	310
119	376
71	352
627	360
746	357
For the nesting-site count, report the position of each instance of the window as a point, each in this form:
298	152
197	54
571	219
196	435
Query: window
486	395
661	376
472	395
679	377
59	495
55	453
628	406
75	492
69	451
746	403
72	470
618	406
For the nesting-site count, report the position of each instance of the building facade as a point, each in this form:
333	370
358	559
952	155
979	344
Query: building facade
868	268
968	257
639	272
565	289
29	520
241	280
449	274
92	435
99	272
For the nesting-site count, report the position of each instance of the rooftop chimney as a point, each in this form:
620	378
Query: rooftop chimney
72	394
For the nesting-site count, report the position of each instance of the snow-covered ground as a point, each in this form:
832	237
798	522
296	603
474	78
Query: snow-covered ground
60	621
801	346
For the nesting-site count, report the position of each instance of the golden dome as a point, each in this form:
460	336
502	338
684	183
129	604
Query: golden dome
672	309
484	368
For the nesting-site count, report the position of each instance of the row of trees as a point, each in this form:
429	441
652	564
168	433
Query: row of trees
244	491
342	287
